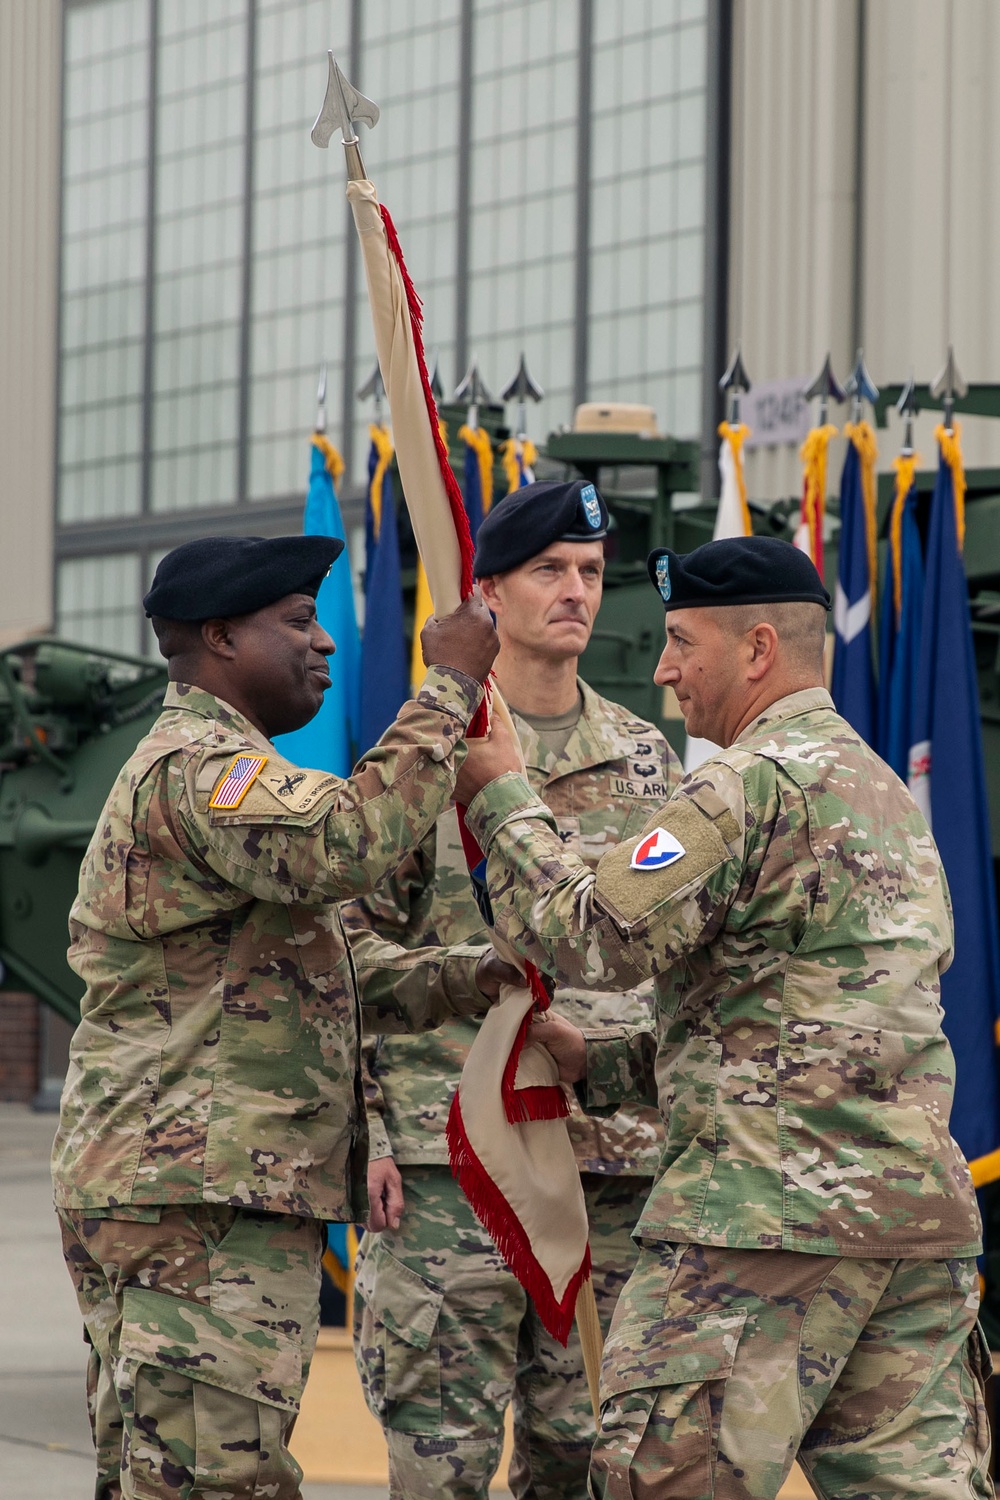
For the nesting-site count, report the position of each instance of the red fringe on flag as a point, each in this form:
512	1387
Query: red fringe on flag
507	1233
540	1101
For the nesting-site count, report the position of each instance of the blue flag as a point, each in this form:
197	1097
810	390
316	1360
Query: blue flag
853	682
899	634
328	741
947	779
473	490
385	663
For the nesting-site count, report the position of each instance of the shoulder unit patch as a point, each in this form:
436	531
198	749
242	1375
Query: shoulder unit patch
237	782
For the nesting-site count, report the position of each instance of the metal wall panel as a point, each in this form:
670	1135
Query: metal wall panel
30	43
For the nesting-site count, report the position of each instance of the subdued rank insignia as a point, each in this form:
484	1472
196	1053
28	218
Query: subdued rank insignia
237	782
657	850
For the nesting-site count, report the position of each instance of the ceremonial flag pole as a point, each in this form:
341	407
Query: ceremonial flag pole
902	601
809	536
853	682
329	741
733	515
478	449
423	604
501	1128
519	452
948	780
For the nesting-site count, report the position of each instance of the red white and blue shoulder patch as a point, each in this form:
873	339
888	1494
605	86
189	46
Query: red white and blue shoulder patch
656	850
237	782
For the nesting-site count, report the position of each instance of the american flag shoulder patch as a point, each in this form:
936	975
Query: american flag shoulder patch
237	782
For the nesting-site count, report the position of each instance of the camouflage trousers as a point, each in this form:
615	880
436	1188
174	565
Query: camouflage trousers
723	1365
445	1338
201	1326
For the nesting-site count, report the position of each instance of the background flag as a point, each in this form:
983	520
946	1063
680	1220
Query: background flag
384	667
478	474
948	782
329	741
853	684
423	605
518	456
902	613
731	519
809	536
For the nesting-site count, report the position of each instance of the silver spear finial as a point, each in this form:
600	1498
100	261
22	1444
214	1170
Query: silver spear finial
437	385
523	387
342	106
949	384
907	408
860	386
736	382
373	386
321	399
826	386
474	392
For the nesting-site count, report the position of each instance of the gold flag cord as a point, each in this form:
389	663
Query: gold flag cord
862	435
951	452
736	437
905	467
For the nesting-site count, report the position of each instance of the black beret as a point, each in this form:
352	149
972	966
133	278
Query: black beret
736	570
528	520
220	576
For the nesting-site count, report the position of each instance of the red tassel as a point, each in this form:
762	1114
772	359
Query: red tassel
452	490
505	1229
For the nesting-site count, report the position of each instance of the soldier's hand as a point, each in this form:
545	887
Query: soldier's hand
465	639
486	759
564	1041
492	971
385	1190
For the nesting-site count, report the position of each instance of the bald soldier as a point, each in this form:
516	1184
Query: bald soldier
806	1283
445	1335
212	1116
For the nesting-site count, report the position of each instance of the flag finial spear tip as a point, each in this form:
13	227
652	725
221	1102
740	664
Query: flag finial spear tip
342	107
437	385
948	384
321	399
374	387
474	392
826	385
523	387
907	406
860	386
736	378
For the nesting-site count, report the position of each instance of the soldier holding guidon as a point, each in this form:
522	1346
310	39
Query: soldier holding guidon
212	1116
806	1283
446	1336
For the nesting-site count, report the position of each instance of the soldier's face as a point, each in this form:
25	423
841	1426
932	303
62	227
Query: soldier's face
704	666
548	605
281	660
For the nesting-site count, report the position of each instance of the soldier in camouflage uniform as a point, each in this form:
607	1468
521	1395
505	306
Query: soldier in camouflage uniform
807	1282
446	1336
212	1116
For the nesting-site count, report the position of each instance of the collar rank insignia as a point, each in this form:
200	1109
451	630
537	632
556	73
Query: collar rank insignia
591	507
663	578
657	850
237	782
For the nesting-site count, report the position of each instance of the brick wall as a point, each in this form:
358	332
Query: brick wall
18	1046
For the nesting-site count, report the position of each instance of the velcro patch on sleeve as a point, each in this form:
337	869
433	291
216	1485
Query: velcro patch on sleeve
636	892
239	778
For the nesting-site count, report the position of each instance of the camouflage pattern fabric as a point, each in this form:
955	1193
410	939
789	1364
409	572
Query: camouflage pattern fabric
612	769
722	1365
202	1321
444	1333
796	945
217	1056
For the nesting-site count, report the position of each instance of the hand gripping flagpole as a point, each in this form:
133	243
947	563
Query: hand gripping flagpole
509	1144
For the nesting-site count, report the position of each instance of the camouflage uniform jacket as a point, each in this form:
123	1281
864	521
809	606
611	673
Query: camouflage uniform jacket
613	769
217	1058
796	944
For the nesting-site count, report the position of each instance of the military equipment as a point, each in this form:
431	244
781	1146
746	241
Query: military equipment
70	715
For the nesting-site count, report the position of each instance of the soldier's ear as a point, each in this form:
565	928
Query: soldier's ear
218	638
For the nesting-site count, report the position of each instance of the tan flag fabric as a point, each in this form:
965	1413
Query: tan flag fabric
510	1147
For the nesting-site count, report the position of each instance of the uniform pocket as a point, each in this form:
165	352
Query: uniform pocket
662	1385
397	1342
207	1399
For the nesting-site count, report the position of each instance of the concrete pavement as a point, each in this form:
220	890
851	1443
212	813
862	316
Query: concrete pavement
45	1448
